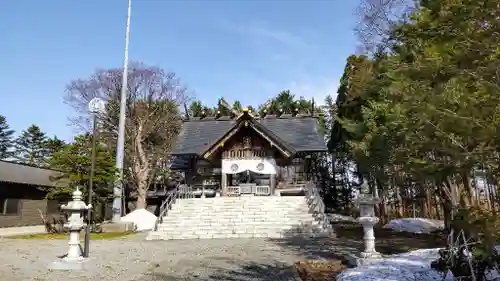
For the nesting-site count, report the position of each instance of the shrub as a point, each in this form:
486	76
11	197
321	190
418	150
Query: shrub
471	247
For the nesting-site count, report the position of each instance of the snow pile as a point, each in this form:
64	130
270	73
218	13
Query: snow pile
339	218
142	218
415	265
415	225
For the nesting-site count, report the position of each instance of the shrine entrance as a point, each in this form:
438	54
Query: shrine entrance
248	177
247	154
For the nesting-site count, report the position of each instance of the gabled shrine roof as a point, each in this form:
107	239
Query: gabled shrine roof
299	132
24	174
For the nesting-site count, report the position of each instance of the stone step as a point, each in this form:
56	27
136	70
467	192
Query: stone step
240	202
158	235
230	207
309	221
240	224
189	218
278	207
237	223
257	200
248	198
229	203
239	229
235	214
238	219
240	207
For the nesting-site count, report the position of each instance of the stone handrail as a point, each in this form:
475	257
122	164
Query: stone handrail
316	204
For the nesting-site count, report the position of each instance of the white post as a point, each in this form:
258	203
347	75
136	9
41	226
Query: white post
120	146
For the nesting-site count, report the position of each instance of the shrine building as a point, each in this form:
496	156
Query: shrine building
248	154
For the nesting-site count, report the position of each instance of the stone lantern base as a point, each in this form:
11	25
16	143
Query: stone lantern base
369	237
66	263
369	254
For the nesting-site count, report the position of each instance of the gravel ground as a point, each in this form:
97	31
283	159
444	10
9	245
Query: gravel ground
135	259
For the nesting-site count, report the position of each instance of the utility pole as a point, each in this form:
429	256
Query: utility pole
120	146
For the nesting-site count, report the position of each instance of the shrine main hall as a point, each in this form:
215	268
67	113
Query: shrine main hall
248	154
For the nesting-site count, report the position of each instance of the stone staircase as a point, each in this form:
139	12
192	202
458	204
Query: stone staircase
240	217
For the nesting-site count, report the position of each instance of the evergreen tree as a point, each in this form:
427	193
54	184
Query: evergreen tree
6	143
30	147
53	145
74	161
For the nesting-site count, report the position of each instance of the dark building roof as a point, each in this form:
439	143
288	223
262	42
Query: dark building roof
24	174
178	163
301	133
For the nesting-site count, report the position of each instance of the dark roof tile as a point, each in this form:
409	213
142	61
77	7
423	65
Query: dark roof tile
300	133
23	174
196	136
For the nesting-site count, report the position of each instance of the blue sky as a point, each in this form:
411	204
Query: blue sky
245	50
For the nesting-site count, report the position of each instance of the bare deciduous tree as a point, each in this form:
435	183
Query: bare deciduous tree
152	119
376	17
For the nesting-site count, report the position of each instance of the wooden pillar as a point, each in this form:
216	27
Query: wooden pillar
272	183
223	183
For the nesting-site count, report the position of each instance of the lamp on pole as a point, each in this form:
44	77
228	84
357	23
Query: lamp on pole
96	106
120	146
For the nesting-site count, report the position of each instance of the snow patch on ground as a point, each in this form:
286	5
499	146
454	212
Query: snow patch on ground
339	218
142	218
415	225
414	265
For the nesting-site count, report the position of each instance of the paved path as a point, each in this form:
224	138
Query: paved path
21	230
135	259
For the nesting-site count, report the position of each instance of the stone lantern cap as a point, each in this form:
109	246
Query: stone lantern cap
366	204
367	199
76	204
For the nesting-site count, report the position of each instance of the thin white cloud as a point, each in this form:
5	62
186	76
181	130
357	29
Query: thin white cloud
317	88
262	31
308	87
291	53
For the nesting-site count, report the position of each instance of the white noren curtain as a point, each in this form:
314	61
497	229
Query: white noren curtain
259	166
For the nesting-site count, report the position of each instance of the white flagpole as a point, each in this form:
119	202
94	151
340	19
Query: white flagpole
120	146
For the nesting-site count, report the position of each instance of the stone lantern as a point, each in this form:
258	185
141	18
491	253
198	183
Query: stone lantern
73	259
367	219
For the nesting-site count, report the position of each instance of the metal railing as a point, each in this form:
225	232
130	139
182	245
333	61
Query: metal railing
262	190
233	191
181	191
257	190
246	188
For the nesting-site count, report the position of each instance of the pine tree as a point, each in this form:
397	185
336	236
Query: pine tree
6	141
74	162
31	147
52	145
